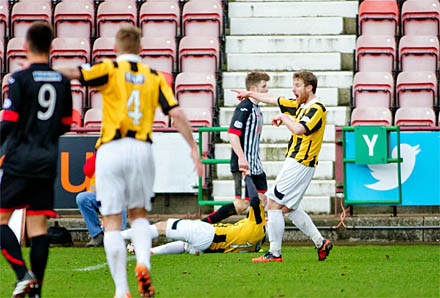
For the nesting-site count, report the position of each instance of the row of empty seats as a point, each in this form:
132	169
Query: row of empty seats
79	18
415	17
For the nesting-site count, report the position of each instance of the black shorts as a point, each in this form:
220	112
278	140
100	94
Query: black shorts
34	194
259	181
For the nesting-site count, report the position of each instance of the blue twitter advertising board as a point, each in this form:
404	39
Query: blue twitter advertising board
420	171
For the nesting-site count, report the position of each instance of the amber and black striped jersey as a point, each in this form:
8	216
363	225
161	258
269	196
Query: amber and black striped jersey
130	91
312	115
36	112
247	234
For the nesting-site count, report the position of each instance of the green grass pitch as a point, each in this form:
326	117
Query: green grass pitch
350	271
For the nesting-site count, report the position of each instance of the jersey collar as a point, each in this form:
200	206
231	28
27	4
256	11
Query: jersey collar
129	57
307	105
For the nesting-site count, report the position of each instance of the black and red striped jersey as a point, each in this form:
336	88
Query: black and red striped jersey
37	111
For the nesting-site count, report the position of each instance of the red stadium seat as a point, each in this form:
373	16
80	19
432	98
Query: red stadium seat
4	18
76	118
195	90
160	119
371	116
5	86
93	118
375	53
378	16
2	54
78	95
25	13
199	116
104	47
414	116
159	53
70	51
199	54
159	19
419	53
416	89
95	98
15	54
373	89
202	18
111	15
74	19
420	17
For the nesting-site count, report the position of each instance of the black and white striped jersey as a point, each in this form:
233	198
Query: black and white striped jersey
247	123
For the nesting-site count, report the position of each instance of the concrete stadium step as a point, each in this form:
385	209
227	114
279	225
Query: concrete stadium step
315	204
290	44
324	170
272	134
328	95
284	79
225	188
283	62
282	25
293	9
335	115
276	152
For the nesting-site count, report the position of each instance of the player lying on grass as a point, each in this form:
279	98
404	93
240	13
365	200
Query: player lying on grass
197	236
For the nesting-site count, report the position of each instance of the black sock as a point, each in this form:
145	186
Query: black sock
39	254
224	212
12	251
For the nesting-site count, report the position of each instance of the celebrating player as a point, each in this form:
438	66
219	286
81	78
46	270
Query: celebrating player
131	92
37	111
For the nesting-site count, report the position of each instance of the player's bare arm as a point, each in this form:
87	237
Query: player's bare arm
293	126
70	72
183	126
267	98
243	163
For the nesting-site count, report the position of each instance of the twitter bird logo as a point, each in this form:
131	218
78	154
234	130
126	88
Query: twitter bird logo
386	174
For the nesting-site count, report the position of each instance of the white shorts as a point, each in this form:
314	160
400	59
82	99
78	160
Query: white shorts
198	234
291	184
124	175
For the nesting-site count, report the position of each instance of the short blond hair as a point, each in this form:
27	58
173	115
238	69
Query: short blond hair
128	39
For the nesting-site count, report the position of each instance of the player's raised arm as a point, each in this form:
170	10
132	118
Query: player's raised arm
295	127
263	97
70	72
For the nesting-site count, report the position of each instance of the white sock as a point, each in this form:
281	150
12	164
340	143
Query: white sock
141	238
176	247
303	221
117	260
275	226
154	232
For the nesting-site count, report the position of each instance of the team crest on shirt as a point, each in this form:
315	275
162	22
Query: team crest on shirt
243	109
11	80
7	103
238	124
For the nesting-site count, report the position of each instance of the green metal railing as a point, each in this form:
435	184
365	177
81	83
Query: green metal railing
209	161
397	160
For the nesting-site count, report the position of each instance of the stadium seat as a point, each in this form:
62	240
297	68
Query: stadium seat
420	17
198	116
202	18
112	14
15	54
2	54
160	119
199	54
95	98
416	89
378	16
76	118
74	19
104	47
375	53
25	13
70	51
371	116
5	86
159	19
78	95
4	19
373	89
414	116
419	53
168	77
93	118
195	90
159	53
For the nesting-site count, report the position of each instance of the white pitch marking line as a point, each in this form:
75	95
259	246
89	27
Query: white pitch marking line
99	266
